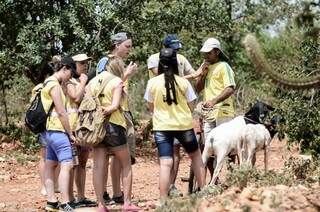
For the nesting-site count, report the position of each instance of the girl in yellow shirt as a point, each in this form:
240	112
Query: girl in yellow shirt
170	99
58	136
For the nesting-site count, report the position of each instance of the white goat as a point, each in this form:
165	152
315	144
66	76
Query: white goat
221	141
255	137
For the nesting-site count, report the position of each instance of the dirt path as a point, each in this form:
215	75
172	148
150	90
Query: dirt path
20	184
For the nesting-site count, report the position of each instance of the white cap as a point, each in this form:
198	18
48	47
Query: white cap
210	44
81	57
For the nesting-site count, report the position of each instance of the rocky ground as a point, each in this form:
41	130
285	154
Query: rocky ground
20	186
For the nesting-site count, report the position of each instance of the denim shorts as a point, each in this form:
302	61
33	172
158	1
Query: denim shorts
58	146
165	139
115	137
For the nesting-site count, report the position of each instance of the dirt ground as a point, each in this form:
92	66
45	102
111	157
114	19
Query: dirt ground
20	184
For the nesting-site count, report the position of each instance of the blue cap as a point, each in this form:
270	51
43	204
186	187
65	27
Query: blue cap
102	64
172	41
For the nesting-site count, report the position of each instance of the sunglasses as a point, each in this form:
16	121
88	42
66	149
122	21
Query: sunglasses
83	62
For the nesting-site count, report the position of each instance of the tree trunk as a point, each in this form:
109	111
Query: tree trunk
4	102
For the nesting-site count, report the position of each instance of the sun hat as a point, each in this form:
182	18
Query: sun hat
213	43
119	38
81	57
172	41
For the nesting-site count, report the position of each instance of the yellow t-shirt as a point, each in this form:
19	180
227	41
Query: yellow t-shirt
175	116
72	107
219	77
105	97
53	122
184	67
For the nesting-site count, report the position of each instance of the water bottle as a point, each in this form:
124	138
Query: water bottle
75	157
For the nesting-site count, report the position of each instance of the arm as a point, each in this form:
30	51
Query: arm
55	94
76	92
151	107
226	93
116	98
201	75
191	105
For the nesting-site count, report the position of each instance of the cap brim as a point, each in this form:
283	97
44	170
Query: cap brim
206	49
175	46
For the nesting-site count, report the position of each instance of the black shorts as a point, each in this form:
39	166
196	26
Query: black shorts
115	137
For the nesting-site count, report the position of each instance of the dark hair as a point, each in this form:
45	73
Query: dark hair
46	69
168	65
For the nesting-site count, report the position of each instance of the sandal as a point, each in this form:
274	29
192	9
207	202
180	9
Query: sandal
130	207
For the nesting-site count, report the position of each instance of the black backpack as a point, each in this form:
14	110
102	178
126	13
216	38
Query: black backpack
36	116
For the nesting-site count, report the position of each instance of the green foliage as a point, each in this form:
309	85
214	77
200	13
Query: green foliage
295	55
33	31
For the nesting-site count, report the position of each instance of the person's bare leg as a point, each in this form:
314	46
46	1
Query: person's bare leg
42	169
198	167
56	177
71	194
176	162
50	167
116	176
106	175
123	156
64	180
166	165
80	174
99	171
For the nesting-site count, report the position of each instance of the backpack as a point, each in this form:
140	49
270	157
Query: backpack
36	116
90	129
101	65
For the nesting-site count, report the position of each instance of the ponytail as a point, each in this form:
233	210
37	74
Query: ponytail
168	65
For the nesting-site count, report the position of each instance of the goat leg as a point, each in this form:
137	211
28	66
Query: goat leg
217	168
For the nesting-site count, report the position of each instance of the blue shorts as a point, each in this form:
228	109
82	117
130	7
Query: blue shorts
164	141
58	146
42	139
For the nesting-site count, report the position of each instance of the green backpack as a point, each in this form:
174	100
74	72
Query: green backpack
90	129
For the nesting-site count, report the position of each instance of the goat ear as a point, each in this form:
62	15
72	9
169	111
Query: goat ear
270	108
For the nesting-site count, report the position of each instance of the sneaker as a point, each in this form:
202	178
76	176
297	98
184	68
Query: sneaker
119	199
85	203
107	199
130	207
68	207
133	160
174	192
52	206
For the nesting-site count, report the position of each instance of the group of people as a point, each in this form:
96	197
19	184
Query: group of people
170	97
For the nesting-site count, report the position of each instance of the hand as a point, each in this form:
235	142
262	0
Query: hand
72	138
204	68
209	104
131	69
83	78
107	111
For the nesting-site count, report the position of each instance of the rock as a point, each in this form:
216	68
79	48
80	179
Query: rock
247	193
270	199
2	205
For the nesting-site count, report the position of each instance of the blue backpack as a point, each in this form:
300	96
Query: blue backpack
102	64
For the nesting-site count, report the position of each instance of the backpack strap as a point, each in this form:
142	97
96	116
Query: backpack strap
52	105
104	83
